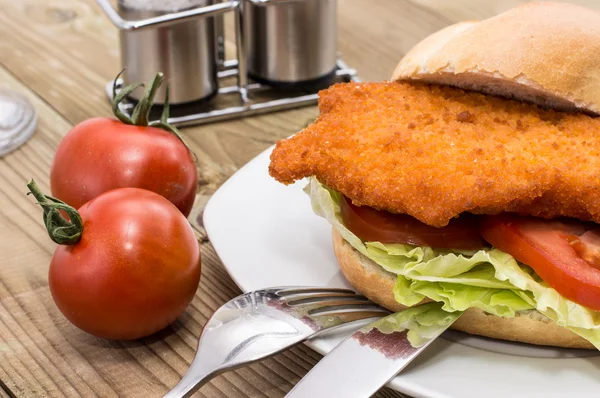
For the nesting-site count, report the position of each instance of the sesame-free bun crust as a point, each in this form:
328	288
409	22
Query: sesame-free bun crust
527	327
547	53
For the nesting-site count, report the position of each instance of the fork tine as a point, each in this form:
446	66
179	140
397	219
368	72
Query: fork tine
304	291
327	298
332	309
353	316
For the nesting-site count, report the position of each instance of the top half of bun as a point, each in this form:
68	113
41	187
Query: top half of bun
547	53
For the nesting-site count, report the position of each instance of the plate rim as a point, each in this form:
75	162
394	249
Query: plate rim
401	384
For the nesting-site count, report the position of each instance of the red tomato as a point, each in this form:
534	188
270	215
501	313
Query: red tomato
561	253
135	269
380	226
101	154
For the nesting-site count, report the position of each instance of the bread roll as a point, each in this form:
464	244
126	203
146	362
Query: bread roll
527	327
547	53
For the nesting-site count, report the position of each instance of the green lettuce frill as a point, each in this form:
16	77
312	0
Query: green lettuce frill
488	279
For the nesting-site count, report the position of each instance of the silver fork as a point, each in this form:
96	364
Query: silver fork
262	323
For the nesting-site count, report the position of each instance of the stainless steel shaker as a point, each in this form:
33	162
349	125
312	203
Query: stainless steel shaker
281	43
290	41
184	52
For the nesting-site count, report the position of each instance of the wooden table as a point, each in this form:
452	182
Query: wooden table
60	53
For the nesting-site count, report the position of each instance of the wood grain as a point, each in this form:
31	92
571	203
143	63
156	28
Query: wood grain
60	53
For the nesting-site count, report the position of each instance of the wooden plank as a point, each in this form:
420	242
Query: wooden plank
5	392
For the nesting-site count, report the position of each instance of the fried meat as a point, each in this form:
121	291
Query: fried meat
434	152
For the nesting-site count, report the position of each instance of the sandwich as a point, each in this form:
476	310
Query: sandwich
471	179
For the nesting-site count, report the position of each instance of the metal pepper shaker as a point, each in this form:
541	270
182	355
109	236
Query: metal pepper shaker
290	42
184	52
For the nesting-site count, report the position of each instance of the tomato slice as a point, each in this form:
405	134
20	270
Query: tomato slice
563	254
381	226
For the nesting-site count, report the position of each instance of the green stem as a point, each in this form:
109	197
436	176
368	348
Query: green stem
60	230
118	98
141	112
163	123
140	115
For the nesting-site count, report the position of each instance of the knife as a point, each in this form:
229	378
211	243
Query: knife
367	360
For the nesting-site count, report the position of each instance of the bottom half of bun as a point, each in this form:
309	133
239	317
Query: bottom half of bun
527	326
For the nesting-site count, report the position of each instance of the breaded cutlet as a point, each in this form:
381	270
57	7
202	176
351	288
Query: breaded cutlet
434	152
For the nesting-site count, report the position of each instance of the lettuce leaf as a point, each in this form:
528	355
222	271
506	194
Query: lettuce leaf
423	322
488	279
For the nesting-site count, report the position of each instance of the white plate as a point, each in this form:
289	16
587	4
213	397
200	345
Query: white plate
267	235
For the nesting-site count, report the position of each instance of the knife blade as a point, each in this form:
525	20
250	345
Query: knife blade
365	361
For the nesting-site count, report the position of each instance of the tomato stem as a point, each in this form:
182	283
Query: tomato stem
141	112
60	230
119	96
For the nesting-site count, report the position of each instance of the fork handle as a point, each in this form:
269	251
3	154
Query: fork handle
195	378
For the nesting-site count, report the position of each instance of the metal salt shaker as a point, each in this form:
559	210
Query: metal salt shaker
185	52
